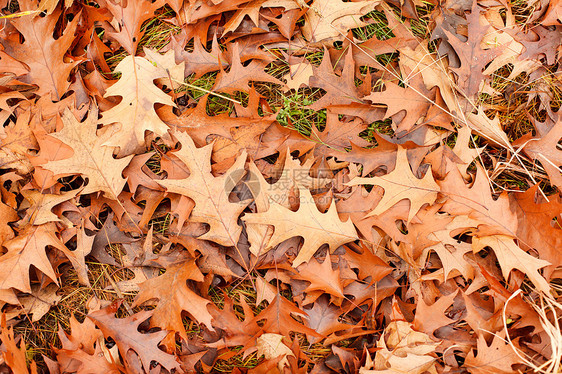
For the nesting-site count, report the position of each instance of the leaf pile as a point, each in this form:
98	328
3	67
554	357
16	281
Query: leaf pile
280	186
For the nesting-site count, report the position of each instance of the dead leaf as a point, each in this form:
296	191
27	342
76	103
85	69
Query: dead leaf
91	157
402	184
139	94
318	229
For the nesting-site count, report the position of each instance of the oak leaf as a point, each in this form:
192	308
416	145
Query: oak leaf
90	158
340	89
553	15
328	19
167	62
323	318
451	251
407	99
402	350
401	184
367	263
433	71
322	277
536	227
200	62
41	205
135	113
547	151
239	76
210	193
489	128
128	17
486	359
510	257
307	222
271	346
40	301
381	156
43	54
279	319
476	201
472	54
237	332
12	355
125	333
174	296
299	74
26	249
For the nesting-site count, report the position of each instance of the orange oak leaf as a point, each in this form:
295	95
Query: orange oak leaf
128	17
547	151
239	76
12	355
486	359
43	54
340	89
279	319
125	333
174	296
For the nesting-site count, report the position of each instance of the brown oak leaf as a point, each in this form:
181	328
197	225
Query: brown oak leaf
210	193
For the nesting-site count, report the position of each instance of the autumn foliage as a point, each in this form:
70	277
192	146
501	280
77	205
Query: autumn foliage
280	186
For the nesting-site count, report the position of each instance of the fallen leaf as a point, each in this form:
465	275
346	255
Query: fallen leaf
209	193
317	229
91	157
139	94
401	184
271	346
174	296
124	332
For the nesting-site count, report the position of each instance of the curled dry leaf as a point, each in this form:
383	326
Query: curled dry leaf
403	350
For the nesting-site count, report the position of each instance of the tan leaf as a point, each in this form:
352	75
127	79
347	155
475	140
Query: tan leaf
327	19
41	205
174	72
402	350
489	128
307	222
434	73
299	74
40	301
209	193
271	346
135	113
91	158
510	257
26	249
401	184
